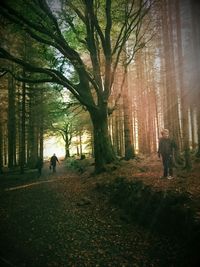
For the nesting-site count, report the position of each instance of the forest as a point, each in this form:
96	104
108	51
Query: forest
105	77
128	74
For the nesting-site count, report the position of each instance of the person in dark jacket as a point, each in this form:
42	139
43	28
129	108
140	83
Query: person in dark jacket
166	150
53	162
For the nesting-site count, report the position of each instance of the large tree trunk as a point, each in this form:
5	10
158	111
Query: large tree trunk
103	150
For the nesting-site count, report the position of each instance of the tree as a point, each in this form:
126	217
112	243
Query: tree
100	32
68	120
11	123
1	148
169	26
195	10
128	133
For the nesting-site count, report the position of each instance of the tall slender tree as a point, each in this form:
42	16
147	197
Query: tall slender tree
1	147
11	123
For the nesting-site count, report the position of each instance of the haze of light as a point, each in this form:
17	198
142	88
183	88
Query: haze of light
54	145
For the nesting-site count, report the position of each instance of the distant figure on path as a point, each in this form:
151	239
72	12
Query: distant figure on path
39	166
53	162
165	150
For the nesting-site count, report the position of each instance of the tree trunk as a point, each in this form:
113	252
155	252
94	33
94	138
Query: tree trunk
23	129
103	150
41	141
11	123
31	133
198	132
67	153
171	106
128	132
67	143
117	123
141	106
192	126
183	92
1	148
171	110
41	122
80	144
195	8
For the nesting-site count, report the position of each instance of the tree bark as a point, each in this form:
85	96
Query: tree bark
128	132
103	150
67	143
11	123
183	92
1	148
41	122
23	130
198	133
195	9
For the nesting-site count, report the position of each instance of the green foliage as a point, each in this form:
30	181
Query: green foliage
79	44
65	115
79	165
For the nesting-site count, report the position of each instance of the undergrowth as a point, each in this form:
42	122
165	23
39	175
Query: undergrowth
78	165
165	212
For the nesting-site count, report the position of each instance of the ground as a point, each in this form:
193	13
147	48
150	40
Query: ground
59	219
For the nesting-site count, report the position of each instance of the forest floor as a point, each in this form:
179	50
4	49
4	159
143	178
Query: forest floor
61	220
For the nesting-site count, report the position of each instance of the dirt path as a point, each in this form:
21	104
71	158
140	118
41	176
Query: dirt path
60	220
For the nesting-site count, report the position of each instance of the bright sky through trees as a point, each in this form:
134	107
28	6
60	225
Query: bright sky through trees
54	145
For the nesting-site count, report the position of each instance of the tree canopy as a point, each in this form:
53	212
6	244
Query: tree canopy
87	38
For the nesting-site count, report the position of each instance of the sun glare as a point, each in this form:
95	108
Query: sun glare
54	145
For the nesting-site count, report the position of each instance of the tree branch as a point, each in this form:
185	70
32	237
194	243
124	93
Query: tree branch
127	29
77	11
56	76
34	30
3	72
95	23
26	80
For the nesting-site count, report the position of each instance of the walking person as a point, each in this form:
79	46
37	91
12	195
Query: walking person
53	162
166	151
